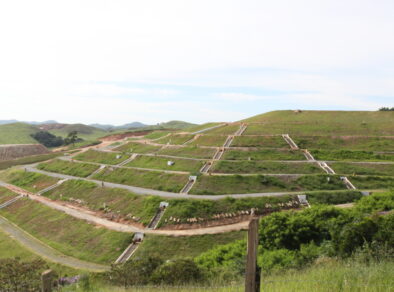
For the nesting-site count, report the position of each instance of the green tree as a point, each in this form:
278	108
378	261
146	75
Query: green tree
72	137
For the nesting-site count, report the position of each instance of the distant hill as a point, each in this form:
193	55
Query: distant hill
85	132
107	127
326	122
20	132
3	122
17	133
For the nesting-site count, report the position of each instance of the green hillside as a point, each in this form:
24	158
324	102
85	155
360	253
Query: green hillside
17	133
84	132
322	123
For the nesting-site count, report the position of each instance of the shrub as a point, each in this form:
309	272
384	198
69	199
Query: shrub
175	272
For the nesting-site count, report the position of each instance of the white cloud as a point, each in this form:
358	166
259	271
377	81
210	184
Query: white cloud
54	52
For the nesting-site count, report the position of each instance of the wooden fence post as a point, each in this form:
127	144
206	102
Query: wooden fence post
252	279
47	281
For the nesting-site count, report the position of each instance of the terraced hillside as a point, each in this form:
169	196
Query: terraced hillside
9	152
207	179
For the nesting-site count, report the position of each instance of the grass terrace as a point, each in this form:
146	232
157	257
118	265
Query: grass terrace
237	184
67	167
6	195
175	139
101	157
345	142
169	248
30	181
209	140
260	141
333	198
263	154
157	162
145	179
190	152
363	168
157	134
205	209
69	235
109	201
225	130
272	167
28	160
372	182
124	205
350	155
133	147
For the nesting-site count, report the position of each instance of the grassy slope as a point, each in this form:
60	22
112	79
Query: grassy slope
192	152
323	123
17	133
363	168
345	142
101	157
146	179
6	195
351	155
120	201
272	167
67	167
214	185
260	141
264	154
175	139
30	181
225	130
168	247
201	127
209	140
84	132
137	148
156	162
10	248
70	236
28	160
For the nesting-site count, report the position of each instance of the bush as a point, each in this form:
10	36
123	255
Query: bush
179	271
48	139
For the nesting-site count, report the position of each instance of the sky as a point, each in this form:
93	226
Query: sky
153	61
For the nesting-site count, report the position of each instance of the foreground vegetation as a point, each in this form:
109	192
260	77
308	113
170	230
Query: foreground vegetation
263	154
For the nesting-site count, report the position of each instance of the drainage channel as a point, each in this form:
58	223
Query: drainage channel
5	204
290	141
139	236
51	187
189	184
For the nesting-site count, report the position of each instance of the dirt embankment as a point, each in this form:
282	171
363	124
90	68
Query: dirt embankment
9	152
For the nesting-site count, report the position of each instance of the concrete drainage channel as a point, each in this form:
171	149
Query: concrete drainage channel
322	164
51	187
139	236
11	201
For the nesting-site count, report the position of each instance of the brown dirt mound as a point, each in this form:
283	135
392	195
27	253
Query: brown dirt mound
8	152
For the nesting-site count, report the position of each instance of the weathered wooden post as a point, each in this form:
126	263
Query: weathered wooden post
47	280
252	279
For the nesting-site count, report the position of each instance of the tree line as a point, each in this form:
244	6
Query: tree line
50	140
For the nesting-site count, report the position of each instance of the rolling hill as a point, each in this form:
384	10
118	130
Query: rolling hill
17	133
